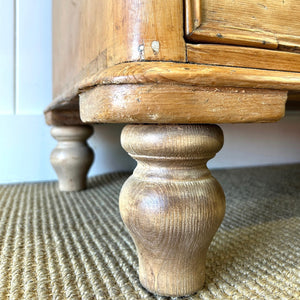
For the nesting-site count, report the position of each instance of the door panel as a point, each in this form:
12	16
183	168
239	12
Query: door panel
259	23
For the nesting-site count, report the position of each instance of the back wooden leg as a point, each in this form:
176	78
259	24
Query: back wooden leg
171	205
72	157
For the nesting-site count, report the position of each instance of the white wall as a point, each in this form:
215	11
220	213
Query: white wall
260	144
26	145
25	83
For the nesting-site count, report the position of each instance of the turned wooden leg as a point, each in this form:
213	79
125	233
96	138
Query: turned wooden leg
72	157
171	205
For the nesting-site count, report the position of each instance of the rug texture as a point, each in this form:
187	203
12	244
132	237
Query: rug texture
56	245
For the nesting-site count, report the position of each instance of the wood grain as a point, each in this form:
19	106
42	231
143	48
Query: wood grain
222	34
89	35
194	74
234	56
63	113
257	23
173	103
192	9
72	157
171	205
63	117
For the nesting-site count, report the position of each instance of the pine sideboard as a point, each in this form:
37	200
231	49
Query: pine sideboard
170	70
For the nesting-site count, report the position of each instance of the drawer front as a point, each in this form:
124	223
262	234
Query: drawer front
270	24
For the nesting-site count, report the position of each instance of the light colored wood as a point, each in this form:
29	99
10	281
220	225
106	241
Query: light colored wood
257	23
63	117
235	56
139	26
216	33
171	205
84	50
63	104
89	36
162	103
72	156
192	15
194	74
63	113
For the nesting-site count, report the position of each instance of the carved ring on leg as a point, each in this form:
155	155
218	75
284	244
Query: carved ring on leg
72	157
171	205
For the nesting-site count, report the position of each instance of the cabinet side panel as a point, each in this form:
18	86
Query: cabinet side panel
89	35
79	37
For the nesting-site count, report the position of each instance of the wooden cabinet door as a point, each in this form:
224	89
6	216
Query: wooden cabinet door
271	24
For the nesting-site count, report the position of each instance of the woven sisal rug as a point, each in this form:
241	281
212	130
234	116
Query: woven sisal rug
57	245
